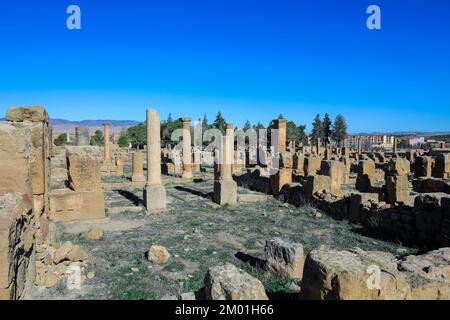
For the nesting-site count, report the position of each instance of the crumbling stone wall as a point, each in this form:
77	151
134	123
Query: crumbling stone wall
24	203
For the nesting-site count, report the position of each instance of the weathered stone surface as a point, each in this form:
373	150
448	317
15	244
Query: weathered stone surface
317	184
345	275
158	254
84	171
429	215
397	189
312	165
33	114
284	258
230	283
423	166
429	274
68	205
62	252
279	178
225	192
399	167
95	234
335	170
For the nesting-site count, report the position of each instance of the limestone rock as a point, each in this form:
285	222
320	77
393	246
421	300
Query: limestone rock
342	275
21	114
230	283
429	274
77	254
51	280
95	234
158	254
284	258
62	252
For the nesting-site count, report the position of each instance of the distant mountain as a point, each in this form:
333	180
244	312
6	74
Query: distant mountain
95	123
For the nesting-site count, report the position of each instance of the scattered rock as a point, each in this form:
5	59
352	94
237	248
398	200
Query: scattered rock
230	283
77	254
95	234
62	252
284	258
158	254
51	280
90	275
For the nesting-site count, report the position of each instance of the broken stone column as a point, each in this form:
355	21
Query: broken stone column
347	168
299	163
154	192
225	188
187	154
284	258
283	175
82	136
318	146
442	166
397	187
359	146
395	146
119	167
366	175
312	165
138	168
106	146
334	170
423	166
280	134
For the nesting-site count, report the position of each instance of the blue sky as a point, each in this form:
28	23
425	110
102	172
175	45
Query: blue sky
250	59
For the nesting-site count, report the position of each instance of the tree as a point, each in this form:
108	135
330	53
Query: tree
326	125
220	123
97	139
295	133
137	135
61	140
247	126
123	141
167	128
317	129
204	123
339	129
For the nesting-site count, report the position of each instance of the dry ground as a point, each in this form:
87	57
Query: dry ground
198	234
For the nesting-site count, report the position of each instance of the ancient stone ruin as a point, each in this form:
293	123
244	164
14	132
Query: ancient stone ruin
187	221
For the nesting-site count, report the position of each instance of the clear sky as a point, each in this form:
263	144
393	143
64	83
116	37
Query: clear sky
250	59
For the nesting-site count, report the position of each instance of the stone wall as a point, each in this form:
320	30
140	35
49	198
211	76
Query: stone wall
24	203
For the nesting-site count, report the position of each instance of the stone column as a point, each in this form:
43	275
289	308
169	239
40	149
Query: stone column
394	147
154	192
106	136
225	188
119	167
318	145
359	145
187	155
82	136
280	125
138	168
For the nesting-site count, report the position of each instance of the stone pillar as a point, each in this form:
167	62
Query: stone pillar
360	146
280	125
82	136
397	189
225	188
318	145
154	192
138	168
119	167
106	146
187	155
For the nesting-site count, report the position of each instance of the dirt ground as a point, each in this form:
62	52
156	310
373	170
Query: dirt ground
198	234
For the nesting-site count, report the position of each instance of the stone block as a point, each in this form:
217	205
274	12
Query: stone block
155	198
225	192
68	205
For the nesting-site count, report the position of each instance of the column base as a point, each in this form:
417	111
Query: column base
225	192
154	198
